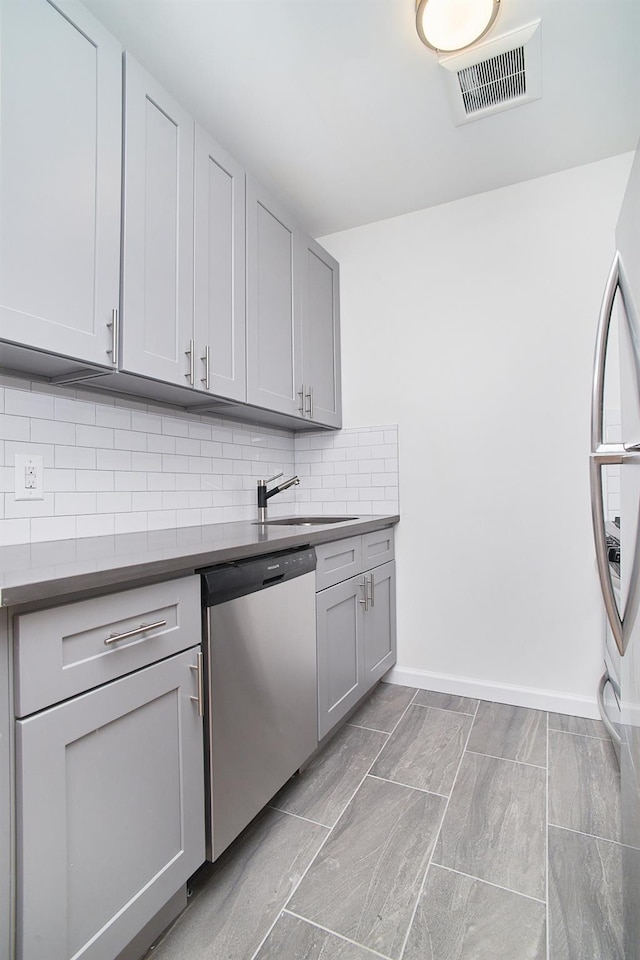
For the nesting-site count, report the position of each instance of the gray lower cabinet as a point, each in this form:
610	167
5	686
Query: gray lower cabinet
110	811
60	127
355	626
157	278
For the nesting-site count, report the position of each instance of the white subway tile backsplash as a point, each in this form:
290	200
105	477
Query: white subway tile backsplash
98	525
115	465
14	428
120	502
75	411
115	417
14	531
74	504
50	431
23	403
79	458
53	528
90	436
113	460
90	480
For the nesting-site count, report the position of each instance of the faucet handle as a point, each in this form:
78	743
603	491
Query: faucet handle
272	478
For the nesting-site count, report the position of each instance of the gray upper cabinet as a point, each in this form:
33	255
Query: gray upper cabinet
219	322
60	162
157	282
273	316
320	308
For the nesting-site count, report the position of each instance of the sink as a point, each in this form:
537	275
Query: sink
303	521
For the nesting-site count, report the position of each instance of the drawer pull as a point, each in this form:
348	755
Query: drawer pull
200	681
114	637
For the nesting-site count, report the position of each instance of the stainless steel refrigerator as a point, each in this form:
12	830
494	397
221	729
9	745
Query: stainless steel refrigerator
618	348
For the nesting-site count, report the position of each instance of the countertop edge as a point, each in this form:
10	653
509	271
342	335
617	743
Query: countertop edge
184	561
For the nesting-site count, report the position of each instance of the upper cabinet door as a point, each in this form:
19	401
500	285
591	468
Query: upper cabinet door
219	271
320	291
157	291
273	317
60	161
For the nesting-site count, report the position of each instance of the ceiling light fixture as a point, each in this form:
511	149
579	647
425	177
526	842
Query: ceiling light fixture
448	25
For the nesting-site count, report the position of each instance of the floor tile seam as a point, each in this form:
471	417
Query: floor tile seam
490	883
430	706
492	756
360	726
331	829
409	786
575	733
583	833
298	816
340	936
401	717
435	844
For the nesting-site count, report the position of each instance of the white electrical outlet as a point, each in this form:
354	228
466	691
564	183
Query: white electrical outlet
29	477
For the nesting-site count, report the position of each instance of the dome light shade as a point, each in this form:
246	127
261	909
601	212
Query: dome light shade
448	25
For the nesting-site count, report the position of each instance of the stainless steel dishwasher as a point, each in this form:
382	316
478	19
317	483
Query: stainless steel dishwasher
260	673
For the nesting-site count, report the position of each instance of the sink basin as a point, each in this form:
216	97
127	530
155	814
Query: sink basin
303	521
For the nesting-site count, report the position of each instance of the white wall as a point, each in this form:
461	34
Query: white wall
471	325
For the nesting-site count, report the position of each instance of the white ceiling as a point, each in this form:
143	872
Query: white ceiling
337	108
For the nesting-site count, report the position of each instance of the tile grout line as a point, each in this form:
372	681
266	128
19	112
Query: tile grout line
409	786
431	706
490	883
340	936
435	841
523	763
575	733
329	832
591	836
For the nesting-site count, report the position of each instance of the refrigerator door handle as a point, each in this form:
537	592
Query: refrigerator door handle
604	324
604	453
602	561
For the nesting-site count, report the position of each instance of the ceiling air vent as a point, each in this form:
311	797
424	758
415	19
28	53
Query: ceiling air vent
496	75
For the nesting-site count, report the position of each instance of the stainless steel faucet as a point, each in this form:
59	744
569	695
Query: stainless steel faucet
264	495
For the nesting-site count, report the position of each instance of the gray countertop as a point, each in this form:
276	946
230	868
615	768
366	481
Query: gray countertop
35	572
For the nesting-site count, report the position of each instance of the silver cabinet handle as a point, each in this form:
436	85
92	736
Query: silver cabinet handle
302	393
191	375
197	666
372	600
115	336
611	730
365	602
207	369
309	410
114	637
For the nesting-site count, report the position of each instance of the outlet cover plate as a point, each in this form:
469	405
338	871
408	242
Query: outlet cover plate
29	477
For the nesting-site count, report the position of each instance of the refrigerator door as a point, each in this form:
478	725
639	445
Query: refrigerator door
628	244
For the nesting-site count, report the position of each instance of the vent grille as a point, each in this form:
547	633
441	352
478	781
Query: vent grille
494	81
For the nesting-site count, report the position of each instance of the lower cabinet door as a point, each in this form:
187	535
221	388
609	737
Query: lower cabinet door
110	811
340	651
380	623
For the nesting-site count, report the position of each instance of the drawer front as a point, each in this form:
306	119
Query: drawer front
338	561
377	548
66	650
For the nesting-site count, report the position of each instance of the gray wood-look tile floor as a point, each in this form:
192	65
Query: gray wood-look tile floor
431	827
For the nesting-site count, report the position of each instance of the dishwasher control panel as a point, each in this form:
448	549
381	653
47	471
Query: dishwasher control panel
228	581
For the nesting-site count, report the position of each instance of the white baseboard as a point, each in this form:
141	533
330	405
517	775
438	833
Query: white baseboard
552	700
